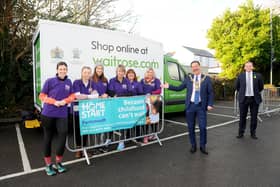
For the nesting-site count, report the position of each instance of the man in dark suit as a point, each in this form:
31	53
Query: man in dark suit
249	85
199	99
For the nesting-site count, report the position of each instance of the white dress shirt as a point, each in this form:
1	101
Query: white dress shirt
193	91
247	87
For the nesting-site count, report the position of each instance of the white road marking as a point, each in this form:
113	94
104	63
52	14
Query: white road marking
222	115
24	157
176	122
113	152
221	106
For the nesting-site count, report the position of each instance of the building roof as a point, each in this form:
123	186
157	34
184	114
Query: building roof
199	52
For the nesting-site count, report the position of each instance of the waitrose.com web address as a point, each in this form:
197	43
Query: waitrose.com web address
113	61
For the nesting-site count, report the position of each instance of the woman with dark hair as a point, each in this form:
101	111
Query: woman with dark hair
136	87
100	81
100	84
56	94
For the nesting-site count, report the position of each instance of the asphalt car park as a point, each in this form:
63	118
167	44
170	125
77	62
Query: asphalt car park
231	162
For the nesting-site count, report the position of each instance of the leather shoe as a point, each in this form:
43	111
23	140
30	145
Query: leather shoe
240	136
203	150
254	137
193	149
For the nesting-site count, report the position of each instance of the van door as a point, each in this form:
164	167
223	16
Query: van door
174	75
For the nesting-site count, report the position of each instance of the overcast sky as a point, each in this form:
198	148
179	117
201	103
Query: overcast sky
178	22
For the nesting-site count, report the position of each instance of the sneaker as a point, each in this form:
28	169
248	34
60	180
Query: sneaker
121	146
145	140
103	149
60	168
50	170
152	138
107	142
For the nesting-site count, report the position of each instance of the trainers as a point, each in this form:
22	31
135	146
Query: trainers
50	170
107	142
121	146
152	138
60	168
103	149
146	140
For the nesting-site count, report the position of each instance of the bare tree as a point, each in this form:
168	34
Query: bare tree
98	13
18	20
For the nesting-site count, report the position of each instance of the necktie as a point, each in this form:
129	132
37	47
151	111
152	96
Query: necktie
197	91
248	84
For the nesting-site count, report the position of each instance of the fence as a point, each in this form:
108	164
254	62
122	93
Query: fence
101	122
270	101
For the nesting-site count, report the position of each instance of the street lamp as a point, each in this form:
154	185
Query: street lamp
271	43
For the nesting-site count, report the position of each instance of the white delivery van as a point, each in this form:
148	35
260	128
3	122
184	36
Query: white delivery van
80	45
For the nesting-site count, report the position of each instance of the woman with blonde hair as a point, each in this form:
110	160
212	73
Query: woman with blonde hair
83	89
120	86
151	84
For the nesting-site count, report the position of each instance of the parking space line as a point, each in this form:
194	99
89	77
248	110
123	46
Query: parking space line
24	157
221	106
222	115
112	152
176	122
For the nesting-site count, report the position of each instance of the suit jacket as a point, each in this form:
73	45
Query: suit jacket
206	90
240	86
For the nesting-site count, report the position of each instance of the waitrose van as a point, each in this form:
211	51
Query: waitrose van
80	45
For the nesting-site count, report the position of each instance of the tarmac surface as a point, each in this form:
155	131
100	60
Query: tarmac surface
231	161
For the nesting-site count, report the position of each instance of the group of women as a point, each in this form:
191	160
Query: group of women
59	91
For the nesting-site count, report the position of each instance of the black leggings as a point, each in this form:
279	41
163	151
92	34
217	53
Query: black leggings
51	124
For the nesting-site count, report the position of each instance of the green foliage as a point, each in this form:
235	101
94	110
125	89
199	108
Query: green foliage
223	88
239	36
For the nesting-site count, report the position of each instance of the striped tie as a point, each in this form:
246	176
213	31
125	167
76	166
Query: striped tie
197	91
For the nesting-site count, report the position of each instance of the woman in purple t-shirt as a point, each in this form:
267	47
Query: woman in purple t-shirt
100	81
151	86
83	89
56	94
136	87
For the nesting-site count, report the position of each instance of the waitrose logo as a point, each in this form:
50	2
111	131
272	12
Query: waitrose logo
113	61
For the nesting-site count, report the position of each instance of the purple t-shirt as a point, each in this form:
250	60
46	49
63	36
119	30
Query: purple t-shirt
79	86
101	87
148	88
58	90
120	88
136	88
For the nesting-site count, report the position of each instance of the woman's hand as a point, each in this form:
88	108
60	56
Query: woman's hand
81	96
104	95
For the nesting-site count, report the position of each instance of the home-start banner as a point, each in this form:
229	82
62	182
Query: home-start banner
105	115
